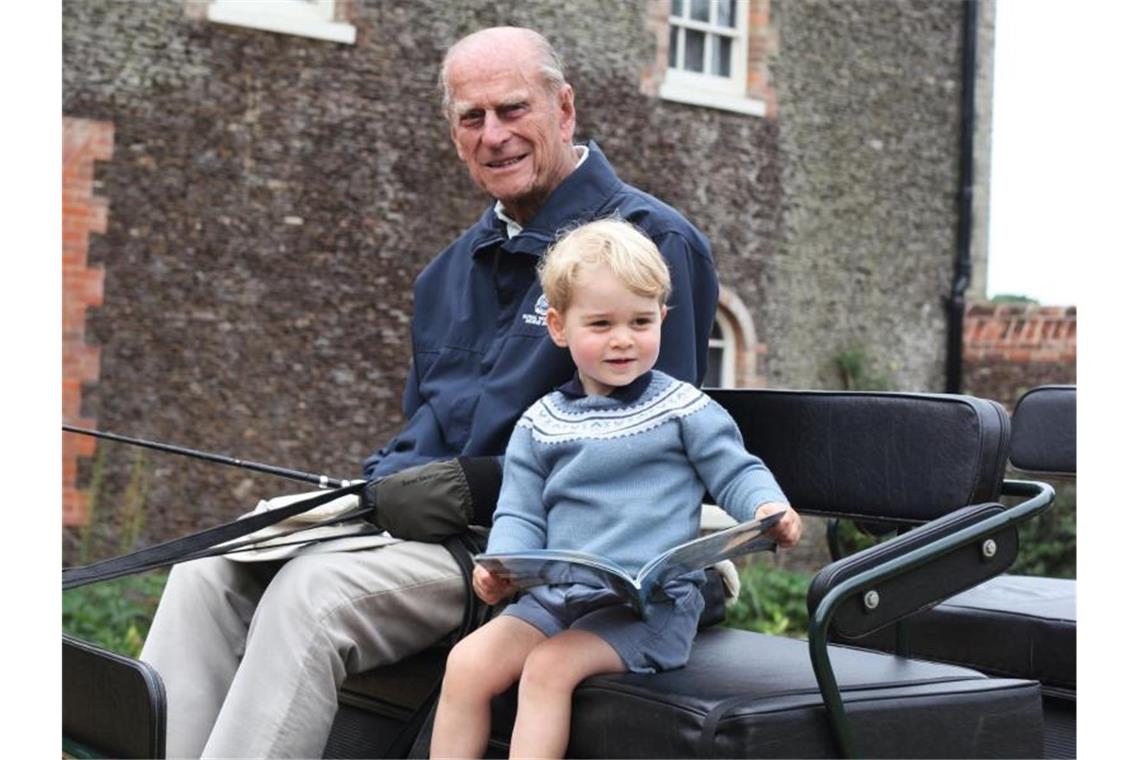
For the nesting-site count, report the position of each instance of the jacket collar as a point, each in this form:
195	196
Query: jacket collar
580	196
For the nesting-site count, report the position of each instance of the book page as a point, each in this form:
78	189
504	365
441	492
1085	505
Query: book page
543	567
708	550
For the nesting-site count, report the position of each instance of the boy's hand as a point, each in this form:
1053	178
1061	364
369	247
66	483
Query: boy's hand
787	532
490	587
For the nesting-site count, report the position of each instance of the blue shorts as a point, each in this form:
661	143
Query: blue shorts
662	641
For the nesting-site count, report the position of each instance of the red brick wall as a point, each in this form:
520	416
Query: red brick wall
1010	348
84	143
762	45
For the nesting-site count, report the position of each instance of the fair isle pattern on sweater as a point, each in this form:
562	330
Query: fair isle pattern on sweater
607	491
550	424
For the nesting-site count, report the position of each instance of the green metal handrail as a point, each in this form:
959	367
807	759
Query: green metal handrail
1039	497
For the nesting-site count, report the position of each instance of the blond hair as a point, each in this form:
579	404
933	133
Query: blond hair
614	243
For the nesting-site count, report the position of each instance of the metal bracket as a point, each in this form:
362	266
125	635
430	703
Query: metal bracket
989	548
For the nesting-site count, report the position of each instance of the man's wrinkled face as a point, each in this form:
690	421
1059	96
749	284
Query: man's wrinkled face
513	133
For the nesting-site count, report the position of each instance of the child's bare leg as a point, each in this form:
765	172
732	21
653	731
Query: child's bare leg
552	671
480	666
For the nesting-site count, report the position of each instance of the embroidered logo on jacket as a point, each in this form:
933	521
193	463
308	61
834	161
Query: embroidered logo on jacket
550	424
541	306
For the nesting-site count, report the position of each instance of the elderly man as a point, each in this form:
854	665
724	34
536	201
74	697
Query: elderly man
252	654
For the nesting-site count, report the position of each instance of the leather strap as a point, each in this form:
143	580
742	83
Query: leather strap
203	543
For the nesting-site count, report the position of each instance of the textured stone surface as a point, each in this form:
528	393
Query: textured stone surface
272	198
869	113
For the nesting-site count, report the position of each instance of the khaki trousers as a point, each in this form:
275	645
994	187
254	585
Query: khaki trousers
252	653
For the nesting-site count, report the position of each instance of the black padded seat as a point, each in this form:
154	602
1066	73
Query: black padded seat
745	694
1009	626
1044	437
1012	625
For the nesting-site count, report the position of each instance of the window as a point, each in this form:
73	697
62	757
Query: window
708	61
705	39
721	371
306	18
736	359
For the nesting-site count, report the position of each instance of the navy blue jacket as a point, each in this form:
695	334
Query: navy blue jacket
481	353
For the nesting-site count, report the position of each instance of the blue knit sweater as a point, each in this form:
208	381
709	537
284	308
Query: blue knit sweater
622	476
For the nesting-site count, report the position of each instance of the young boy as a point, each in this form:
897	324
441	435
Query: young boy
615	462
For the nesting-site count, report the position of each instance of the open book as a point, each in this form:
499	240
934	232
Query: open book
541	567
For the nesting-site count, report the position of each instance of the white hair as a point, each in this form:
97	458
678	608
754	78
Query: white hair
550	66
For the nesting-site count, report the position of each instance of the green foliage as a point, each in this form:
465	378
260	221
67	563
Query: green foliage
114	530
132	514
855	372
114	614
1049	543
771	601
1013	298
855	537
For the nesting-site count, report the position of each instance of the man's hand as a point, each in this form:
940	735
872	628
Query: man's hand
787	532
489	587
436	500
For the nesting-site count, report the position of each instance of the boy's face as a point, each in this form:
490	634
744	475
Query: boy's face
613	334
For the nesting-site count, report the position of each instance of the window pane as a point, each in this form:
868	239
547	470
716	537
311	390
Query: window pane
674	39
694	51
713	376
699	10
722	56
715	335
676	9
726	13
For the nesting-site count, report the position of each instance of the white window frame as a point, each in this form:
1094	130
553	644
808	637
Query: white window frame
304	18
710	90
727	345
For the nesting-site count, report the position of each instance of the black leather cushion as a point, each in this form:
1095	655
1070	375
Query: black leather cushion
908	457
744	694
1009	626
1045	431
112	705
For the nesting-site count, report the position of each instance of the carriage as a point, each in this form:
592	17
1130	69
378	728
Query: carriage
919	646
